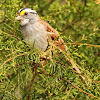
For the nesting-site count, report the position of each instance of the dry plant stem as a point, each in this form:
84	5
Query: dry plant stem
32	80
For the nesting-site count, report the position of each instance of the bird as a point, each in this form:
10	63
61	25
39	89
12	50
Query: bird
39	34
36	32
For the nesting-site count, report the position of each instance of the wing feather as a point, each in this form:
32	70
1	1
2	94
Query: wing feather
53	34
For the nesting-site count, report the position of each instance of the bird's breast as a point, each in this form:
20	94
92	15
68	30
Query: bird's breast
35	35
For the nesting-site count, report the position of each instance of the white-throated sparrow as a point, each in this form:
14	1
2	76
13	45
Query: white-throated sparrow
35	31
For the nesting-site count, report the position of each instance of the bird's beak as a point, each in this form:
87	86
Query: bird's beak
19	18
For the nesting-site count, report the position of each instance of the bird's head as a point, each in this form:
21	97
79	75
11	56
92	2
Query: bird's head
25	15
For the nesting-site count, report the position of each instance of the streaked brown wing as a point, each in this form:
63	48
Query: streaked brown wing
53	34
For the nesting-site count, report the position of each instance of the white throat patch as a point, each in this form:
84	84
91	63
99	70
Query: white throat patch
24	22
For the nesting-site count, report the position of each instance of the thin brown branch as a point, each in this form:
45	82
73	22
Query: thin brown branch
10	35
75	71
91	45
14	36
12	59
1	21
91	95
43	69
72	62
76	66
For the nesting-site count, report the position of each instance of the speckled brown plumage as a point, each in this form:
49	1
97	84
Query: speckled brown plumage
53	34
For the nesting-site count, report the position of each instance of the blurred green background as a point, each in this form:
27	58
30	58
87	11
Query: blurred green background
78	23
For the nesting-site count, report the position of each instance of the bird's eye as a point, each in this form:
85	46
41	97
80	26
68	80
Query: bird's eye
25	13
